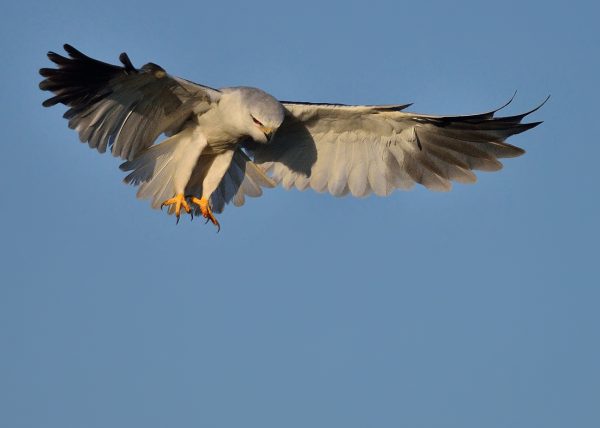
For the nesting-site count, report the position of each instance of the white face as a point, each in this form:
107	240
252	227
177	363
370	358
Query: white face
262	114
262	133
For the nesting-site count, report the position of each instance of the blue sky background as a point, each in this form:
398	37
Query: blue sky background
476	308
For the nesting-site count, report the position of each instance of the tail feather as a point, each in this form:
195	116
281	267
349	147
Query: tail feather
154	170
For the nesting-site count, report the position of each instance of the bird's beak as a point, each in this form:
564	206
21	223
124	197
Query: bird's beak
268	132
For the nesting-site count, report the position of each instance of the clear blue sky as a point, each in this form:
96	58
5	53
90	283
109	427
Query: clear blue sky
476	308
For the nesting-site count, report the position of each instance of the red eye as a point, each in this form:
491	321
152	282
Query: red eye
256	121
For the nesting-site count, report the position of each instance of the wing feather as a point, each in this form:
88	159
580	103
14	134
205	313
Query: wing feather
362	149
121	108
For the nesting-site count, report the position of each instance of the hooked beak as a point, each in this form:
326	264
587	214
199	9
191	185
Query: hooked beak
268	132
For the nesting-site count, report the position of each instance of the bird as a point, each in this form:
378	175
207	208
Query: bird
222	145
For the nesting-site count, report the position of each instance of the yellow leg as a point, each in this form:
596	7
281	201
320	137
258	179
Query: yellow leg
179	201
206	211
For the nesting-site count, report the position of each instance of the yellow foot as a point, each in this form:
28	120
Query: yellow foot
179	201
206	211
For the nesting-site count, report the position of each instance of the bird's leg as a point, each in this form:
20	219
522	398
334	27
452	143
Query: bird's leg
205	209
179	201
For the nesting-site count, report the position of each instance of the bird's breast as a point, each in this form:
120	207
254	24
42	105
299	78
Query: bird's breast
220	133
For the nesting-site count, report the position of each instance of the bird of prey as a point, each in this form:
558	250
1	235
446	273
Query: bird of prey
222	145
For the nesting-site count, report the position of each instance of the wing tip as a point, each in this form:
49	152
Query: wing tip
506	104
49	102
523	115
531	125
73	53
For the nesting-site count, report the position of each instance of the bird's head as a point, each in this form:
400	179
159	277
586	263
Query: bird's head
263	114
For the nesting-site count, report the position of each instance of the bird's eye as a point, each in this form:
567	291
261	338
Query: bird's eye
258	122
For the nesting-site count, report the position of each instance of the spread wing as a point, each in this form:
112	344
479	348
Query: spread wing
122	108
362	149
